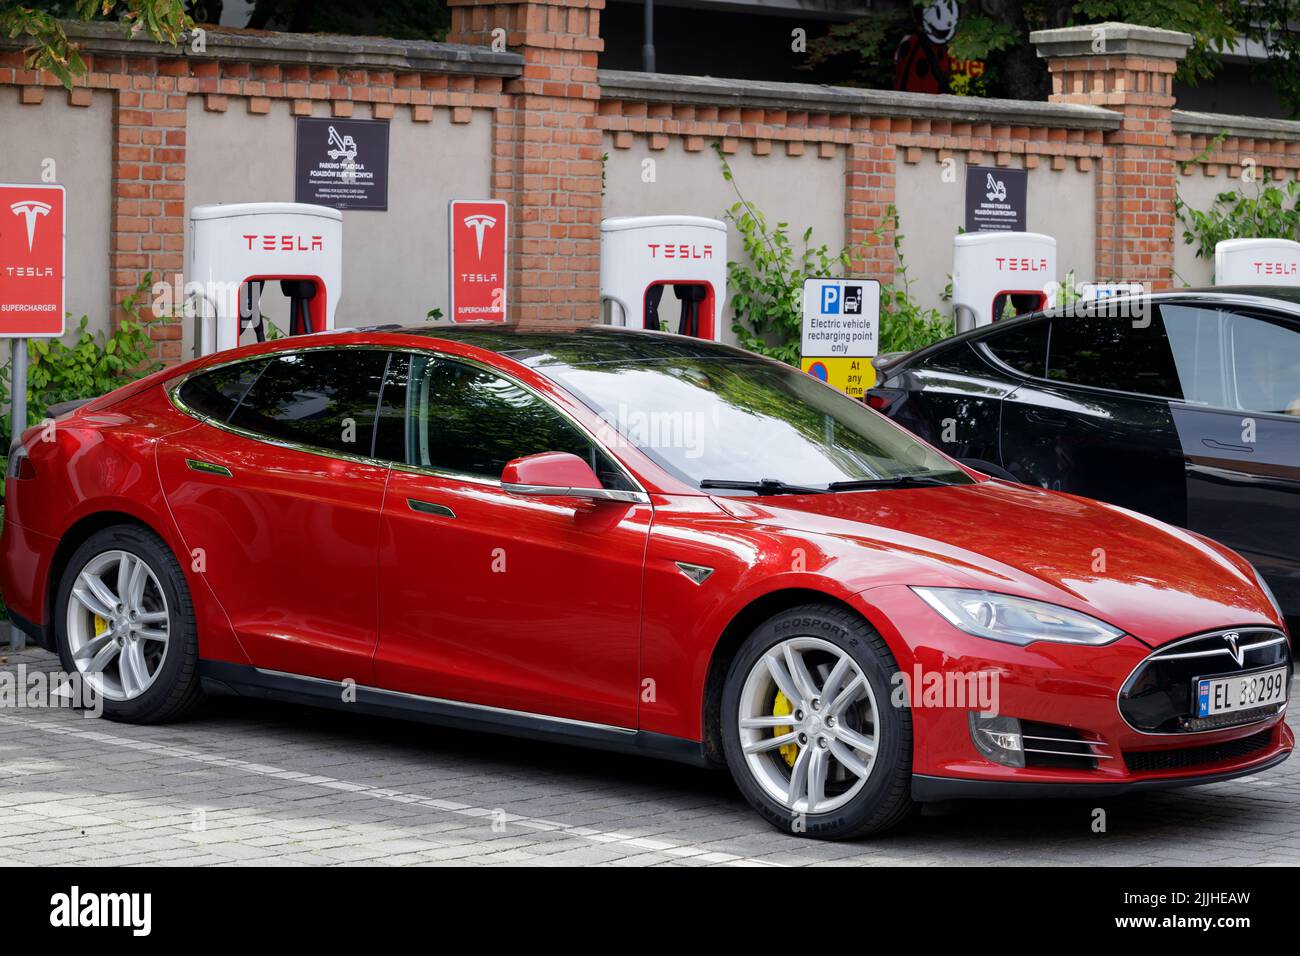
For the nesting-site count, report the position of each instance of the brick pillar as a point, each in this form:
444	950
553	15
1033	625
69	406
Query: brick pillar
868	192
1129	69
148	211
546	151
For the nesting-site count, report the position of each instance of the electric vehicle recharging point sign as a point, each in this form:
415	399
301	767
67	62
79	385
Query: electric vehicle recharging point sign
477	242
841	332
31	261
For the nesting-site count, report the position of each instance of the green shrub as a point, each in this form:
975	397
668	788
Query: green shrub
767	284
82	365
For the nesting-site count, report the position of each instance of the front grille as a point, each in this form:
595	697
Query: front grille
1159	696
1064	748
1183	757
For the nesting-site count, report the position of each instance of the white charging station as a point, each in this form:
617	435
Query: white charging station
1257	262
236	249
642	258
993	269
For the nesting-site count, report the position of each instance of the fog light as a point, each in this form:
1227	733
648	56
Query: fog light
998	739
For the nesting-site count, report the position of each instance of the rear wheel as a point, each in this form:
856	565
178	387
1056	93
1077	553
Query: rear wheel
124	622
808	730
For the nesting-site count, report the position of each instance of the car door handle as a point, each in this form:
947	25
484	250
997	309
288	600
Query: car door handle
429	508
1226	446
208	467
1046	418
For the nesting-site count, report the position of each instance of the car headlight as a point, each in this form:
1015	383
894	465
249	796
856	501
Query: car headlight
1268	593
1014	620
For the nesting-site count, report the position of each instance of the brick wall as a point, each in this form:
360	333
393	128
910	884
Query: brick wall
532	67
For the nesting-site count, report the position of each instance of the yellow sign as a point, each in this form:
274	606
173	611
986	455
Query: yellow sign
852	376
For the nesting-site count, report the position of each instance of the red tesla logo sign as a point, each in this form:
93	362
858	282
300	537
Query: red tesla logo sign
31	261
477	240
1277	267
289	243
1020	264
679	250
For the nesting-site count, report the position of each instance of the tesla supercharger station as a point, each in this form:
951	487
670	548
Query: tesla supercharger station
664	271
993	269
1257	262
237	249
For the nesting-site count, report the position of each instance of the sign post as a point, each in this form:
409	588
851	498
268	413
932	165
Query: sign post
477	257
841	332
32	238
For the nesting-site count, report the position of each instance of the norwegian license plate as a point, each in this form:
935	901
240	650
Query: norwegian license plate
1221	695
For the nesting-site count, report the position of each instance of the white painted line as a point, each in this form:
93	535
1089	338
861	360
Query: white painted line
604	837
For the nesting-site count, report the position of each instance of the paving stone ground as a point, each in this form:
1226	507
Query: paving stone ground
251	783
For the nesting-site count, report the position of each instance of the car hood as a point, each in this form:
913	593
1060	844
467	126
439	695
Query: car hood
1155	581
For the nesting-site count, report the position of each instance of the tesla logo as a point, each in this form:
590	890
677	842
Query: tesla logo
1020	264
31	209
1233	640
679	250
1275	268
274	243
480	223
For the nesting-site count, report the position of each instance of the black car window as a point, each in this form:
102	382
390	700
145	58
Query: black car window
1121	352
467	420
322	398
215	394
1195	339
1265	360
1023	347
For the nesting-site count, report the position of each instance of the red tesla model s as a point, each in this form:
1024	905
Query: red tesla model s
635	541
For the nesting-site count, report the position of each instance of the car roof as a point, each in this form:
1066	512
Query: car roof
1249	295
570	345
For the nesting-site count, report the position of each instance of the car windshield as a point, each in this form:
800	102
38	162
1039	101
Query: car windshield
717	422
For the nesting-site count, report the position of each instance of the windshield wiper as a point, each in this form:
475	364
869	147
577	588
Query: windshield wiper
900	481
764	486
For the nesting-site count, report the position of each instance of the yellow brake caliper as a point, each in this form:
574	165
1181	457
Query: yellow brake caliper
780	707
101	625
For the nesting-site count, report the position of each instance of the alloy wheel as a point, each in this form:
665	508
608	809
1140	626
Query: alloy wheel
118	625
808	725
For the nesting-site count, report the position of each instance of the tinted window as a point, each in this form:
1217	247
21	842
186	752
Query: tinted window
325	399
1195	340
1023	347
1265	364
468	420
216	393
1121	353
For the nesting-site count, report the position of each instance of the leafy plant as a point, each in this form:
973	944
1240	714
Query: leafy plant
1267	211
49	47
87	366
767	284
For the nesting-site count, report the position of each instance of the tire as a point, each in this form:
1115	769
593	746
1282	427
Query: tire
848	803
169	687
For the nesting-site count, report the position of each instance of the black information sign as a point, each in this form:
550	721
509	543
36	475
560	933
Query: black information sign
342	163
996	199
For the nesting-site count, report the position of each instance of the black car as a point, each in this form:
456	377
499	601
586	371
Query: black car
1182	405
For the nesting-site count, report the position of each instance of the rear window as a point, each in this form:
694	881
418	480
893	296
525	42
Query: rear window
323	399
1023	347
216	394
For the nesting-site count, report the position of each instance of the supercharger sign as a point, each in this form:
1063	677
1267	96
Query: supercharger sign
1257	262
237	250
31	261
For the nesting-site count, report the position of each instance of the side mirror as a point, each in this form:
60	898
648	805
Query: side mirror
558	474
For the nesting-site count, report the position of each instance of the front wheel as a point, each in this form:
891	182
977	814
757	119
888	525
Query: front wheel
808	731
124	622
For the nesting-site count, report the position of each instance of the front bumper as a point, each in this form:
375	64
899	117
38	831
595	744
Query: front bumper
1065	686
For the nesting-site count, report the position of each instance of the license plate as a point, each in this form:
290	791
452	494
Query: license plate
1221	695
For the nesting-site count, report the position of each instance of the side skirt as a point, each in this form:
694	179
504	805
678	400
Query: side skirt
241	680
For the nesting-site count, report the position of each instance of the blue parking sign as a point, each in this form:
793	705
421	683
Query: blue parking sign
830	299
